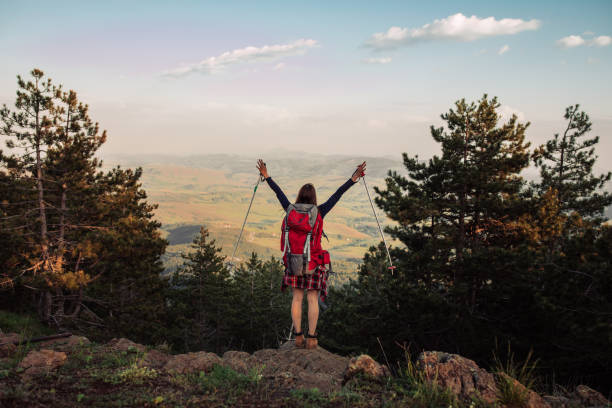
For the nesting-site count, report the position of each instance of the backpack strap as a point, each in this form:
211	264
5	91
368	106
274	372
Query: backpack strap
313	216
307	247
290	208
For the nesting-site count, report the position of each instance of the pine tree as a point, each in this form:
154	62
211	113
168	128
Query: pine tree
462	202
566	165
52	142
30	132
127	294
261	314
84	242
201	297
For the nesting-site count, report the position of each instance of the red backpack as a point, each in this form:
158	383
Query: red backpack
301	239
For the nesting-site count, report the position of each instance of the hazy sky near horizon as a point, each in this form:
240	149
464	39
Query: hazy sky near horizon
358	77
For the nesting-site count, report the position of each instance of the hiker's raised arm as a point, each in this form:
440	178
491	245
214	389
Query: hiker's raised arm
329	204
263	170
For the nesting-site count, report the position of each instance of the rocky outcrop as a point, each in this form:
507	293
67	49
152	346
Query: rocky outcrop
42	362
366	366
154	359
302	369
192	362
583	396
589	397
460	375
287	365
290	368
239	361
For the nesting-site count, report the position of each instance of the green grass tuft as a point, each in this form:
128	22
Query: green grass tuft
505	371
134	375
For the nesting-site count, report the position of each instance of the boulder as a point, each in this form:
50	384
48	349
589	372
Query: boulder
462	376
42	362
325	383
302	369
533	399
589	397
366	366
192	362
154	359
239	361
126	345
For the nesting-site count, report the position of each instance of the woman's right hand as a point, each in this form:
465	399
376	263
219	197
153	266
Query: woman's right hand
261	166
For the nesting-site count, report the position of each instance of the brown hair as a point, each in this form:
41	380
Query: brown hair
307	195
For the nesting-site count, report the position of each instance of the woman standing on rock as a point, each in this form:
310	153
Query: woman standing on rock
306	262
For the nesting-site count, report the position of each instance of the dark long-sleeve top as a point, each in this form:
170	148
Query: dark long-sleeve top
323	208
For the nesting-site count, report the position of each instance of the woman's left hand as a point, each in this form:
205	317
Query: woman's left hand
360	172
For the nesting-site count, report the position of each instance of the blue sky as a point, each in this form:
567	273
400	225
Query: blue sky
323	83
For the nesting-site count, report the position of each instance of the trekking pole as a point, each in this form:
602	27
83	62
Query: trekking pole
259	180
290	331
378	223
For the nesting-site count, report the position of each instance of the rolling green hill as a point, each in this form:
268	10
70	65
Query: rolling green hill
215	190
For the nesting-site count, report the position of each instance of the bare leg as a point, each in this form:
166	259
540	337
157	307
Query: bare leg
313	311
296	309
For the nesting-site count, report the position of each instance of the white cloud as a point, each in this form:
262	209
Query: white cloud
456	27
245	55
381	60
279	66
601	41
572	41
503	49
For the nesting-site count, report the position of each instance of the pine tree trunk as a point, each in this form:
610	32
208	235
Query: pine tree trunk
41	201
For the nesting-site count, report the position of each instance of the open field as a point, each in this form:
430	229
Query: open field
215	190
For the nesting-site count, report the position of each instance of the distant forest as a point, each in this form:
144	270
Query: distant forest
486	261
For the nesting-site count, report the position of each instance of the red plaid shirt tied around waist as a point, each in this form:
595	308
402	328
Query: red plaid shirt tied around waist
316	281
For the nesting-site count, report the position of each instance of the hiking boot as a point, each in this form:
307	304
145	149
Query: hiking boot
311	341
299	340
